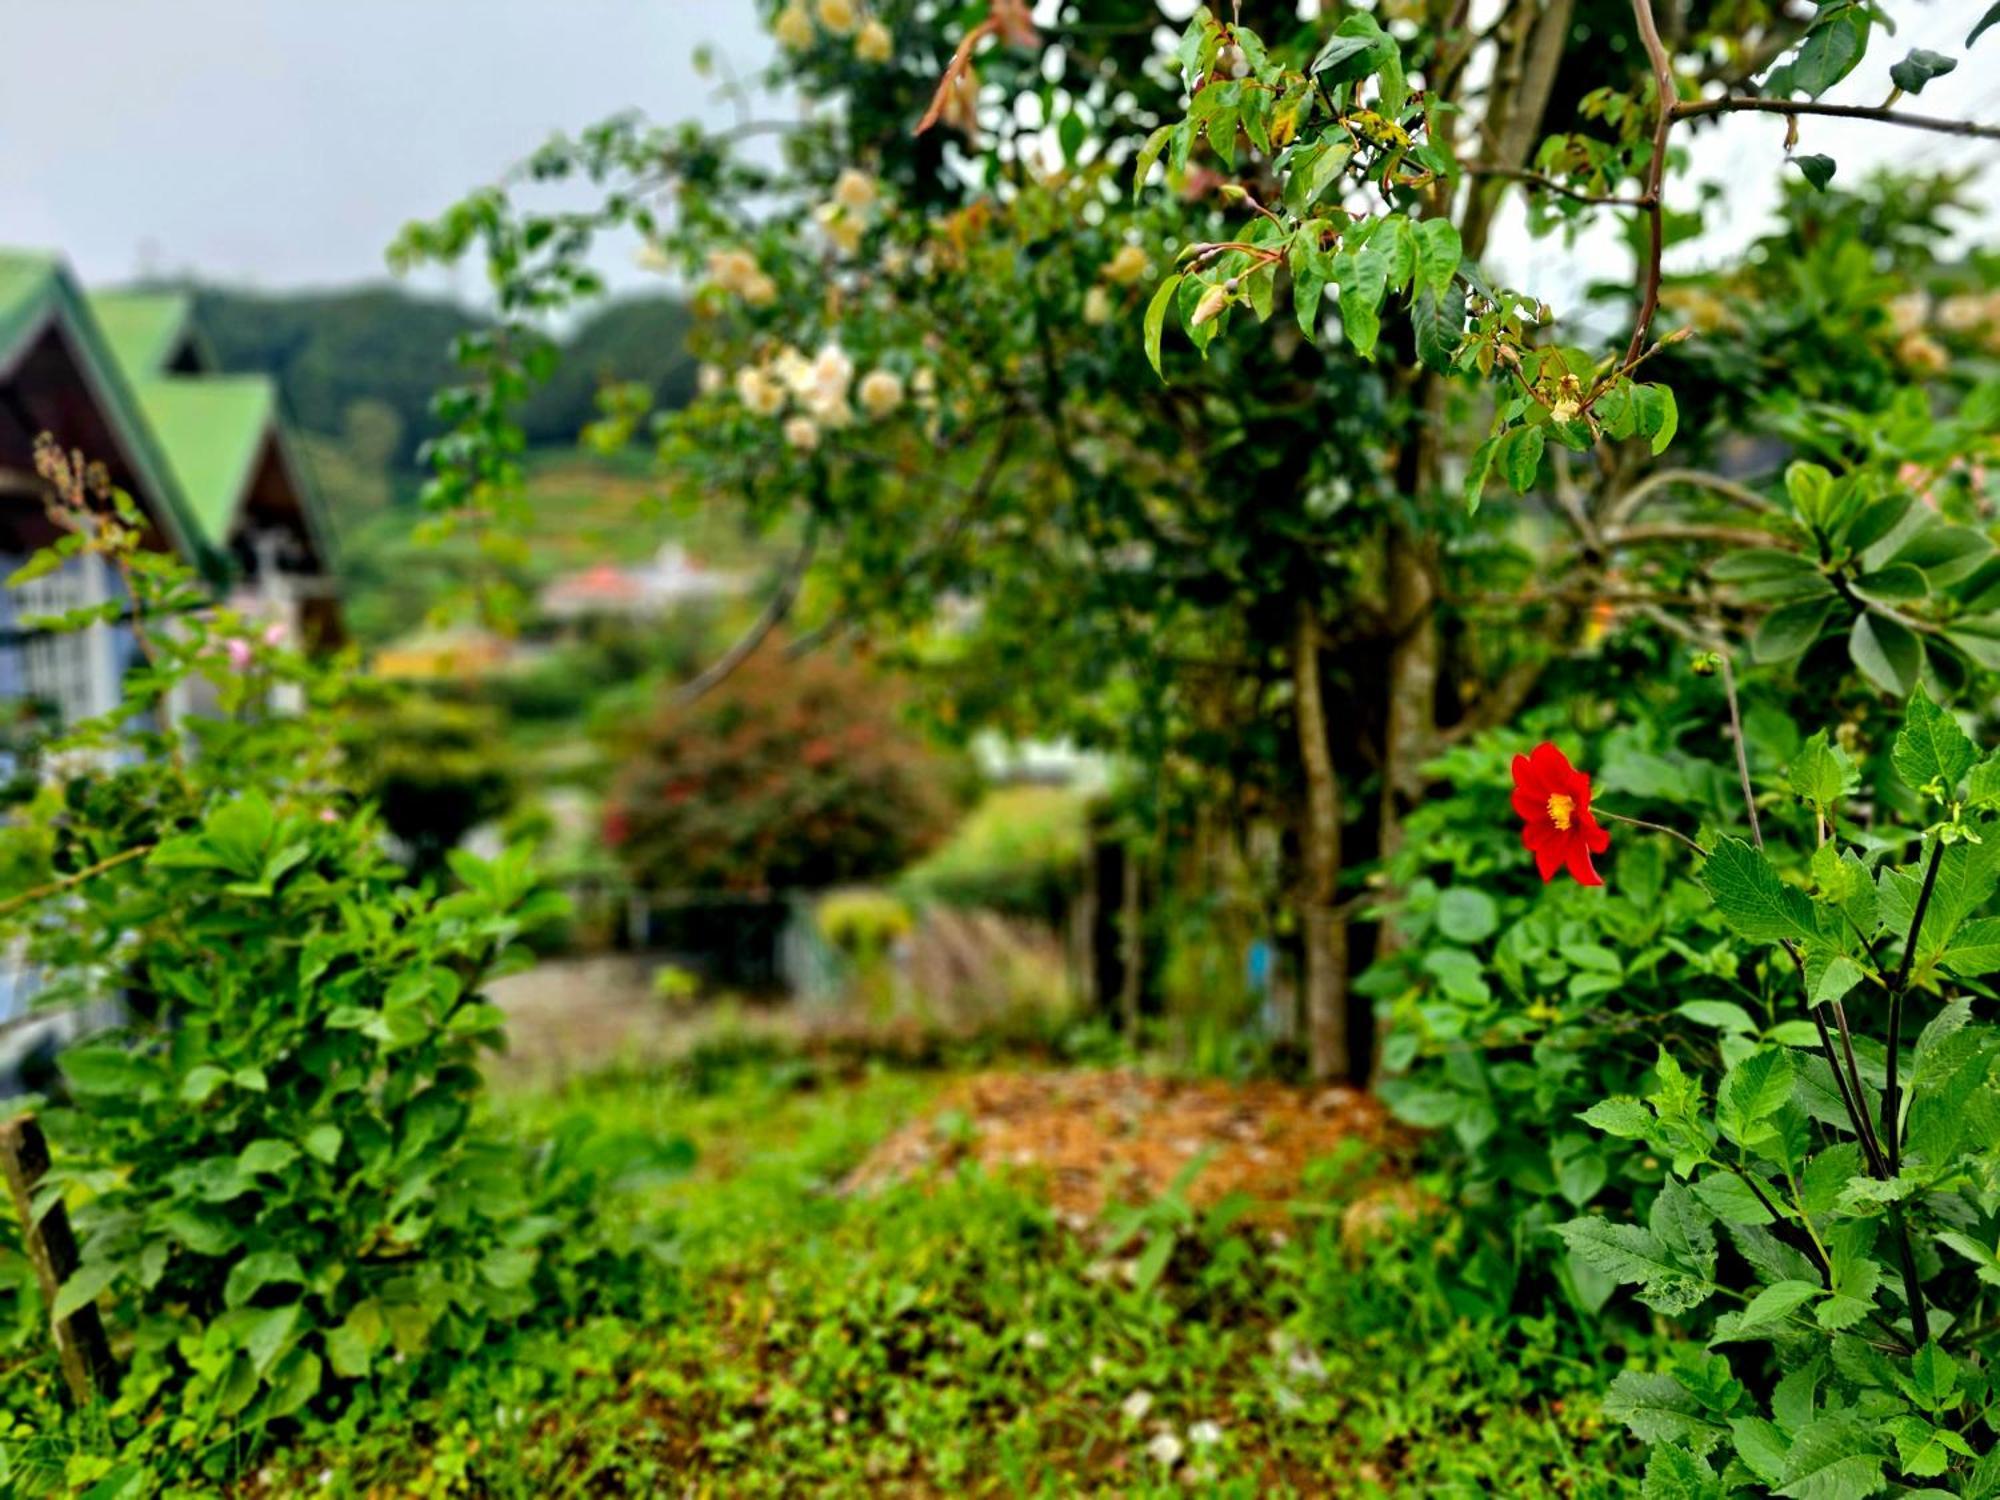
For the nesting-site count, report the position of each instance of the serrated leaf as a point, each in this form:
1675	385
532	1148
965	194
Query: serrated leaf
1657	1408
1931	750
1621	1115
1751	898
1775	1303
1834	1457
1761	1447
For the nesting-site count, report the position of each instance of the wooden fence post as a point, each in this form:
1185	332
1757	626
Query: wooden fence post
87	1366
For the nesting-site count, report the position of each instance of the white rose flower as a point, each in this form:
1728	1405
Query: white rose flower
759	393
802	433
856	190
794	28
709	379
881	392
1097	306
1127	266
838	16
874	44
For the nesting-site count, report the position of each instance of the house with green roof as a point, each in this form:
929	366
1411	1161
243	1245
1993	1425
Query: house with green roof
125	378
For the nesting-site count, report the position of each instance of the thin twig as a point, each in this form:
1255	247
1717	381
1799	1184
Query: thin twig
1673	833
1742	755
58	886
775	609
1733	103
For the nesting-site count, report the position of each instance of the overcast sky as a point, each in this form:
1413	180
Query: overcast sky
281	143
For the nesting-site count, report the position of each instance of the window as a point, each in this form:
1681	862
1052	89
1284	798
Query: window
61	666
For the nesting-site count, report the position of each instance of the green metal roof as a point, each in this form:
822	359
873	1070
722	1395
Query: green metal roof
194	438
144	328
36	289
212	428
27	290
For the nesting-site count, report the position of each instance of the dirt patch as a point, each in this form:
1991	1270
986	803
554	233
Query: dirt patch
1101	1137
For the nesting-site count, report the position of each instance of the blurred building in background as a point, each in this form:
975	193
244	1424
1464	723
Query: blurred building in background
123	378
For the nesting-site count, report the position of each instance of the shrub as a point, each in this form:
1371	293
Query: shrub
275	1164
435	766
1020	850
788	774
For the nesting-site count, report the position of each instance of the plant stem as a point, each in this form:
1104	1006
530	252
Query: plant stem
1672	833
58	886
1742	755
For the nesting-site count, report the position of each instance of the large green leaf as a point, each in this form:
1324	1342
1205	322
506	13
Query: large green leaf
1751	898
1931	751
1888	654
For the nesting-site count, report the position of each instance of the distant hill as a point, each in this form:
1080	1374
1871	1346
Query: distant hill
349	361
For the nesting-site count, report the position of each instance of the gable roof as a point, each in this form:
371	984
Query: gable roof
36	292
212	428
144	329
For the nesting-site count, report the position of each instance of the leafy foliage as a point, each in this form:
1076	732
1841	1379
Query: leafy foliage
787	775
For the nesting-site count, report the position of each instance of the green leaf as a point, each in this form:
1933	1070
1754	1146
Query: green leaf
1621	1115
1466	914
508	1269
1817	168
1753	1090
1821	773
1360	318
1723	1015
1438	321
1888	654
1932	754
1752	899
1990	18
1156	319
105	1070
1520	457
266	1156
1438	253
1761	1447
1919	68
1774	1304
1834	1457
1790	630
293	1383
1673	1473
255	1272
1831	49
83	1288
201	1082
1975	949
322	1143
1658	1409
1476	470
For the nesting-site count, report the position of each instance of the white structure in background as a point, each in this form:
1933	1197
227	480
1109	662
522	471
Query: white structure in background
647	592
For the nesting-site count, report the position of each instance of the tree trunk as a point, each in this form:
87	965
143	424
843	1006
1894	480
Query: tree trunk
1132	944
1322	927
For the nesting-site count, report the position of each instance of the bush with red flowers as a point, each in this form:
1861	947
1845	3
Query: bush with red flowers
790	774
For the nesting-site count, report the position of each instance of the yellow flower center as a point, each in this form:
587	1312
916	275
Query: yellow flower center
1560	810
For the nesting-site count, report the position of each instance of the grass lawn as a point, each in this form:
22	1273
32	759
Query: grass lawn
952	1335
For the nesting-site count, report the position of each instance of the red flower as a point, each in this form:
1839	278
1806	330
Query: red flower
1553	798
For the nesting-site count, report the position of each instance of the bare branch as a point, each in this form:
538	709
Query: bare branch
768	619
1628	504
1734	103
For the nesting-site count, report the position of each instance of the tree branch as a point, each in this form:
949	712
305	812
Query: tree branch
1735	103
775	609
